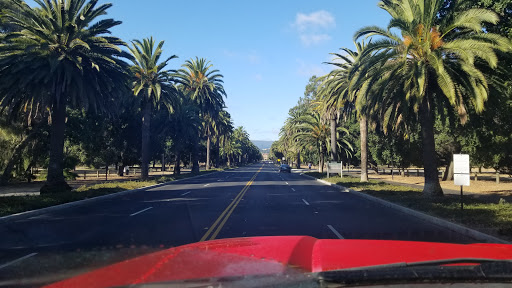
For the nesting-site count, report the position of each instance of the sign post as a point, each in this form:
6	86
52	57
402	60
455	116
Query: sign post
334	166
461	170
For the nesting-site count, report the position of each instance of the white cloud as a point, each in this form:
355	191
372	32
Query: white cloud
258	77
313	39
312	27
316	20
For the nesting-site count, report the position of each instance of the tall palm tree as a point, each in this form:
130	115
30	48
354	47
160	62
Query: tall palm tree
209	126
231	149
313	132
432	64
205	86
152	83
343	90
292	127
223	129
185	128
242	138
60	57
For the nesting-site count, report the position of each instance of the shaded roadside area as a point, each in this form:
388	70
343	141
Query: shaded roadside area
32	188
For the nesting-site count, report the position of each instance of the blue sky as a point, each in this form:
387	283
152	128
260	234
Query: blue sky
266	50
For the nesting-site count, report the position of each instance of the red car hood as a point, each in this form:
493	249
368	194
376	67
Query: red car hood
273	255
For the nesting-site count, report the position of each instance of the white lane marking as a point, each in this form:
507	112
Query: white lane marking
335	232
185	193
17	260
305	202
140	211
293	189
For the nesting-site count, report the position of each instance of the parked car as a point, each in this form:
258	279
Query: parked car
285	168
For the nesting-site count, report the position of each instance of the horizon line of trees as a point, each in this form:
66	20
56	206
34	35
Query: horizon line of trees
436	81
70	88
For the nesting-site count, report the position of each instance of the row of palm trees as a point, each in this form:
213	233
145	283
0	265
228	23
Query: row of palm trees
59	55
310	132
423	62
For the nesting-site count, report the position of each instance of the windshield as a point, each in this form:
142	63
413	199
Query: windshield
132	128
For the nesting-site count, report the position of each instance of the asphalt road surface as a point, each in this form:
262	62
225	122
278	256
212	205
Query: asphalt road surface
252	201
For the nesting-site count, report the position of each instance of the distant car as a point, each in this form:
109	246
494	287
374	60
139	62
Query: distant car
285	168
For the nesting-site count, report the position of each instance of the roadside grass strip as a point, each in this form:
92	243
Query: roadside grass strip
17	204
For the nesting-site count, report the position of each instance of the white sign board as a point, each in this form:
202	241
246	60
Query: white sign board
461	179
461	169
461	164
333	167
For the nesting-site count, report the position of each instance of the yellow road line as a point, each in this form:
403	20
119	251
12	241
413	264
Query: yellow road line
229	213
231	207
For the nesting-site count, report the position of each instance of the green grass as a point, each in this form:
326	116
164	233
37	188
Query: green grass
485	213
16	204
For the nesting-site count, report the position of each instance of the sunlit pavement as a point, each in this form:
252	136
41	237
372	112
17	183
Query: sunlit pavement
252	201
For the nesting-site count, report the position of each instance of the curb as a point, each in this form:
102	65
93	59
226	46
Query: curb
477	235
37	212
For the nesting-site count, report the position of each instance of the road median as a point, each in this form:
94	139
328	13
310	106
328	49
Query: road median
481	219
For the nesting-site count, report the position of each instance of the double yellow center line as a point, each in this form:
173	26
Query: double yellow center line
227	212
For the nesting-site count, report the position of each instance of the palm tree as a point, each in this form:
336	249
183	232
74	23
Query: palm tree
290	129
6	26
231	149
313	132
223	129
242	138
209	126
204	86
60	58
432	63
152	84
185	128
343	90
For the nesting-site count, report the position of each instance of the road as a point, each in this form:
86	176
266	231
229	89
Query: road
252	201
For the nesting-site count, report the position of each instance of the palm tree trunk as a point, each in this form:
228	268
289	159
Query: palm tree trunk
298	160
55	180
432	186
195	158
217	162
177	168
208	140
321	163
363	126
334	154
146	126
